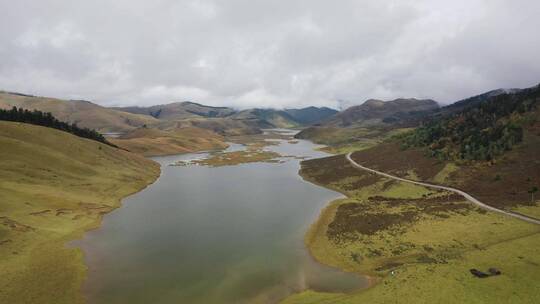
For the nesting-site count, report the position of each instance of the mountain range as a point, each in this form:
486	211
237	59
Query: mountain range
225	121
84	113
56	185
222	120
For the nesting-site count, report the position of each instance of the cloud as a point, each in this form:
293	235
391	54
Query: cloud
167	93
255	53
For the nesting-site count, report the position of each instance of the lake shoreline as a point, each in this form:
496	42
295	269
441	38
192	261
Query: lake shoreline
56	188
179	193
320	223
78	235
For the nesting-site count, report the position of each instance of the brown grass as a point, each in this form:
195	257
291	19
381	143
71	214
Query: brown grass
503	183
334	169
419	243
84	113
389	157
155	142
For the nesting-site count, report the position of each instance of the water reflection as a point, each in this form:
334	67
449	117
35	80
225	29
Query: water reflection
213	235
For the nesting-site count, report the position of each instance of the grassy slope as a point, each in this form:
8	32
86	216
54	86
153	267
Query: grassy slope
267	118
53	187
429	239
179	110
221	125
344	140
280	121
153	142
84	113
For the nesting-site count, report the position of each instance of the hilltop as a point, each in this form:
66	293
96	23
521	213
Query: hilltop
179	111
267	118
83	113
375	112
478	129
367	124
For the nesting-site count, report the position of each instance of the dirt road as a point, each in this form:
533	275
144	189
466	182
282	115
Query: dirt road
467	196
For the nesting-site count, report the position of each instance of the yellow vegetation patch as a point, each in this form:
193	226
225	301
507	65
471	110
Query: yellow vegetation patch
238	157
533	210
444	174
345	140
155	142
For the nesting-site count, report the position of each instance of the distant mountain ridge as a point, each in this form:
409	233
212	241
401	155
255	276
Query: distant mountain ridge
267	118
377	112
179	110
262	118
470	101
358	125
311	115
221	120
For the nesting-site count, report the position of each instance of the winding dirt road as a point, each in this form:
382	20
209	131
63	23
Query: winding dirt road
467	196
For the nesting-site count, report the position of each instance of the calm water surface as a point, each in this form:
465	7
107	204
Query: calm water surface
213	235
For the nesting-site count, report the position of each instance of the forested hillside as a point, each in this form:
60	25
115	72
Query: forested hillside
479	131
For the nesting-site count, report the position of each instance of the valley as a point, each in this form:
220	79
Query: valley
389	234
269	152
214	232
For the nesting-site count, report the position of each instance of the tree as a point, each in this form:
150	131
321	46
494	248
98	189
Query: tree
48	120
480	130
532	191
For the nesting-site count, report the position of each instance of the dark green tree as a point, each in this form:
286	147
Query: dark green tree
480	130
532	191
36	117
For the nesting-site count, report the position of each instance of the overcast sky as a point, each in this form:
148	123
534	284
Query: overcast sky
254	53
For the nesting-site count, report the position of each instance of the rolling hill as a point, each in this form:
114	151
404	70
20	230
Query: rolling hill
83	113
478	129
154	142
267	118
259	118
411	237
310	115
471	101
54	186
488	148
377	112
179	111
365	125
221	120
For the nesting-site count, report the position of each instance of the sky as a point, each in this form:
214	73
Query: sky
254	53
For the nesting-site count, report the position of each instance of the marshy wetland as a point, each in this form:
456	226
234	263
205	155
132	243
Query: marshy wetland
214	234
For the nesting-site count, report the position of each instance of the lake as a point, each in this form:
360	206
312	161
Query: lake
230	234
